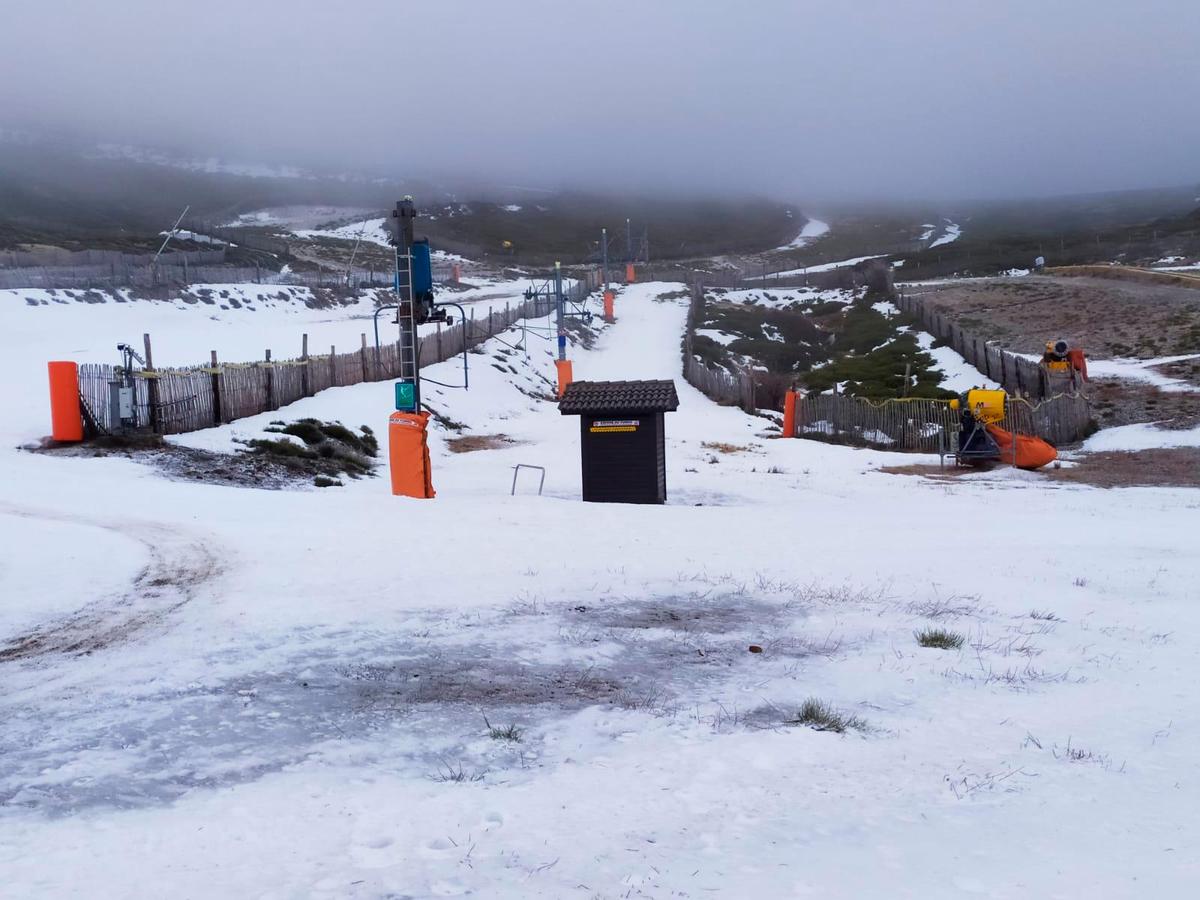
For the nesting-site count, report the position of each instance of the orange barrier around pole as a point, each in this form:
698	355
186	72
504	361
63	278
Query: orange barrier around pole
630	274
609	296
565	375
66	418
456	273
408	455
789	414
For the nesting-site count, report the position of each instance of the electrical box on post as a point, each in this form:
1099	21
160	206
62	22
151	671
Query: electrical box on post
406	397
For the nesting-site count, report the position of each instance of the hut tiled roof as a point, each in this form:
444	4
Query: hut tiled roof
618	397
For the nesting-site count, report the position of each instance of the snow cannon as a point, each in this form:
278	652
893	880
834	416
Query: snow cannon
977	409
1065	366
981	440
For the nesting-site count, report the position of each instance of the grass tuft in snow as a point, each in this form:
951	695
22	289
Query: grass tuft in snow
512	732
939	638
822	716
448	772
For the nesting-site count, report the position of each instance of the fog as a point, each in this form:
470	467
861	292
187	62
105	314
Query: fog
892	100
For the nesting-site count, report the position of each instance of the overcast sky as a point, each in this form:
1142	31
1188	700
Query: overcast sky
797	99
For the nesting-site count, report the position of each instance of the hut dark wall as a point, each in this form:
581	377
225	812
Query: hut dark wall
623	458
622	438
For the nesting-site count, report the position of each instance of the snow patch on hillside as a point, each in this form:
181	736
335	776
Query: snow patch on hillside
813	229
951	233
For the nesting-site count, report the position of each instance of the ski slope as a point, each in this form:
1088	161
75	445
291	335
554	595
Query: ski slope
291	701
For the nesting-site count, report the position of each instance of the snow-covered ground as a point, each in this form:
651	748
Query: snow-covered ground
813	229
959	374
819	267
951	232
289	697
781	298
1143	436
372	231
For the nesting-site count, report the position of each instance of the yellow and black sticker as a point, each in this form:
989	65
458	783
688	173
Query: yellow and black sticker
601	426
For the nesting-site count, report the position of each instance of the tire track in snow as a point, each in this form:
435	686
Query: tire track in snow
180	563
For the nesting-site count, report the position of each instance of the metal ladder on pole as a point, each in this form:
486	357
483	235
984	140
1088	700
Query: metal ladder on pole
406	318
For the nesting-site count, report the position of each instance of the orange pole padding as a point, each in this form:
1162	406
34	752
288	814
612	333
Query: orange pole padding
408	455
456	272
565	375
609	296
789	414
630	274
66	418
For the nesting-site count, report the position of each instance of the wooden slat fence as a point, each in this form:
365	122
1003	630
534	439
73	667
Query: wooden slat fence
192	398
717	384
931	426
1017	375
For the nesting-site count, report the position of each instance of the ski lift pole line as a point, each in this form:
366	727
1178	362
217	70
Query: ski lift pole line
170	234
376	317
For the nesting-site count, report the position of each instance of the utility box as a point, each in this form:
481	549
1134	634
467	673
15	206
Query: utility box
622	438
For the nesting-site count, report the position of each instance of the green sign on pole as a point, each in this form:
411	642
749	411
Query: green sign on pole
406	398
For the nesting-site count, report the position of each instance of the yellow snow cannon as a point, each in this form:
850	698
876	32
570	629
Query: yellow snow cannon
986	406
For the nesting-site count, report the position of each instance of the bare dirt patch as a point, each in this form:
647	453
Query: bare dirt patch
1165	467
472	442
722	447
1115	402
1105	317
929	470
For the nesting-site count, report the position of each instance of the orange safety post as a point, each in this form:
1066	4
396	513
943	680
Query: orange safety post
609	296
565	375
456	273
630	275
66	418
789	414
408	455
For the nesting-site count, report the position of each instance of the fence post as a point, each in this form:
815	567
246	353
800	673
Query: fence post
151	384
270	380
305	382
491	329
332	365
215	381
363	354
439	342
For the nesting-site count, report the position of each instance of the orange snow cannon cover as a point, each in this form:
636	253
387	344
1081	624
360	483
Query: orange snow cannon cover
1078	360
66	418
1029	452
408	455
